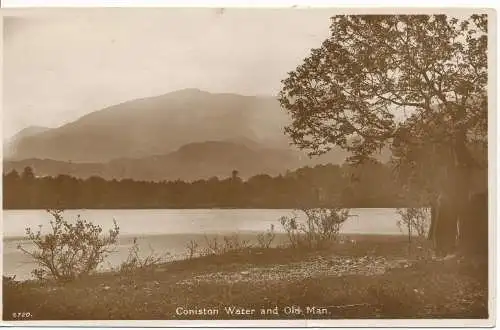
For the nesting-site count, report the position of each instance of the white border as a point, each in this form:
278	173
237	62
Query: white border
247	3
14	6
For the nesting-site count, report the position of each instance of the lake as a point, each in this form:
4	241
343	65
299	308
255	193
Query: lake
169	231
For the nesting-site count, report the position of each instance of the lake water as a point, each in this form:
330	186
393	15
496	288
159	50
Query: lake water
169	231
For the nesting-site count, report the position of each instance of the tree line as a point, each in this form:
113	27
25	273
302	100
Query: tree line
371	184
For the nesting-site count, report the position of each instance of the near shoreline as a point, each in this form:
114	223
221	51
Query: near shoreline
376	277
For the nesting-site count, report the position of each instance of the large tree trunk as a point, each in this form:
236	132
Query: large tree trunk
474	227
472	206
459	220
444	225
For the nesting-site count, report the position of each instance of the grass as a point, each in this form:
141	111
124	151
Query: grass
344	280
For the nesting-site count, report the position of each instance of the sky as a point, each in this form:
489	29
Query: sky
59	65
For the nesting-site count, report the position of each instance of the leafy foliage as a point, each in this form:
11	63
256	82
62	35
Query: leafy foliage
377	77
135	261
418	81
266	239
228	243
414	221
306	187
320	227
192	249
292	228
69	251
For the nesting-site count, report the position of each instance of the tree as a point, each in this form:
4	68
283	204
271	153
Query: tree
28	174
235	175
414	221
410	79
12	175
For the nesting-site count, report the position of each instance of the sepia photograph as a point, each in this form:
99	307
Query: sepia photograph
248	164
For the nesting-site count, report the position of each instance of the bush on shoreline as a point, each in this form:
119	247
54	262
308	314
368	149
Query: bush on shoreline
69	251
414	221
320	227
228	243
265	239
135	262
192	249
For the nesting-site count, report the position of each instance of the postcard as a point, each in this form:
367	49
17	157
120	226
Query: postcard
248	166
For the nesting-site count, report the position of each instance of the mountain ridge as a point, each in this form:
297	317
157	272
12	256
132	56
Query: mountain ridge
157	125
191	162
187	134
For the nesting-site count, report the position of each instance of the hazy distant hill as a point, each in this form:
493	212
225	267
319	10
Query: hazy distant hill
187	135
157	125
190	162
10	147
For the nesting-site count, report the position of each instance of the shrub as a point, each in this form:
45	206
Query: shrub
234	243
213	246
414	221
320	227
9	280
192	249
70	250
265	239
323	225
135	262
292	228
228	243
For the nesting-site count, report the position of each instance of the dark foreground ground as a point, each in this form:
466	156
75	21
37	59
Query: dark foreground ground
375	277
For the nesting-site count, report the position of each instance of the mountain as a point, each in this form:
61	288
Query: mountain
156	125
29	131
201	160
11	145
187	135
